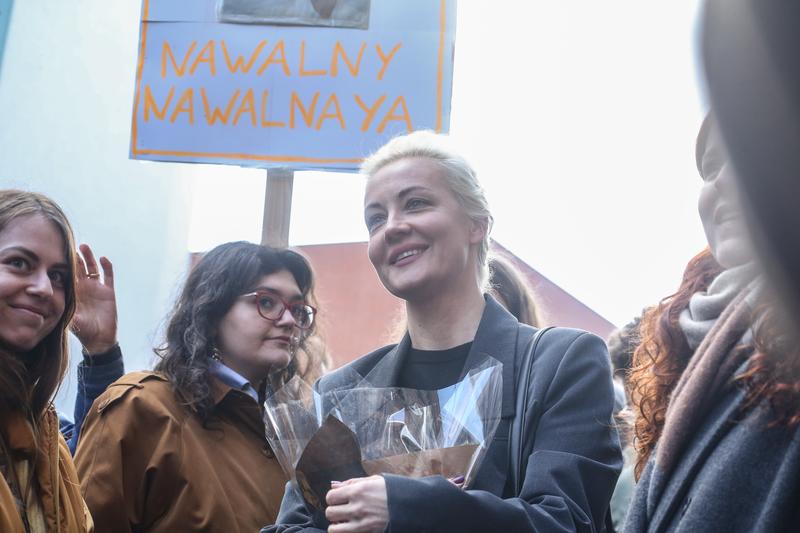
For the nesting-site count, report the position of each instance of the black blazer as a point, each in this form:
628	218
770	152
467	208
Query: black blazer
576	456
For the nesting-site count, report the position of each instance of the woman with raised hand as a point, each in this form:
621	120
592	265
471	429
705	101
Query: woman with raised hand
183	448
716	384
428	223
39	488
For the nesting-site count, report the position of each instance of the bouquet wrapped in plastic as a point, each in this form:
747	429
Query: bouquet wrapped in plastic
364	430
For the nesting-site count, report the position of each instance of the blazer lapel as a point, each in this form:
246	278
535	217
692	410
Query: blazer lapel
497	338
385	373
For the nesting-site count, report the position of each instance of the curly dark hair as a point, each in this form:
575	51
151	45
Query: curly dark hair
662	356
218	279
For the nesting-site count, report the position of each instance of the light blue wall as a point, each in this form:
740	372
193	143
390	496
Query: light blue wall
65	100
5	15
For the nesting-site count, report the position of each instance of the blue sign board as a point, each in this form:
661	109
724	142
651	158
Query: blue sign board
286	95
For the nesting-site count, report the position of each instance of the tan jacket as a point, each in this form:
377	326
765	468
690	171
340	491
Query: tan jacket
59	494
146	463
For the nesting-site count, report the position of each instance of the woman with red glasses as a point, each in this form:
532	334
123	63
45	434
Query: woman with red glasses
183	448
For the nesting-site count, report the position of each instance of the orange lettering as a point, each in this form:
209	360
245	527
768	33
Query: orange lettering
308	115
249	100
279	47
338	50
332	100
399	101
240	59
206	55
264	122
185	105
213	116
386	59
167	50
150	104
303	71
369	111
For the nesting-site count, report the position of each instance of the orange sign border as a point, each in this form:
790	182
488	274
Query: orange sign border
272	158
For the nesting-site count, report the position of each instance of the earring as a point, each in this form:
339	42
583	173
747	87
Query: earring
294	344
216	355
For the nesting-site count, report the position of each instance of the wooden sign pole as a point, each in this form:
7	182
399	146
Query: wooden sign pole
277	207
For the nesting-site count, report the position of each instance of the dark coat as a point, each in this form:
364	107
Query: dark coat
736	474
576	455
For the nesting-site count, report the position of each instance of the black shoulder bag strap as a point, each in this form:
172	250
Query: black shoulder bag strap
519	439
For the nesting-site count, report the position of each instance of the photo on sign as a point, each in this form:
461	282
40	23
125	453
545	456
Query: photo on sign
332	13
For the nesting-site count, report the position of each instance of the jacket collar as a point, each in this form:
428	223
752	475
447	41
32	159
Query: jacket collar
232	379
497	338
387	371
220	390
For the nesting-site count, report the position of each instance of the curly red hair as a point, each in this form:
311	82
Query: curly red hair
772	376
662	356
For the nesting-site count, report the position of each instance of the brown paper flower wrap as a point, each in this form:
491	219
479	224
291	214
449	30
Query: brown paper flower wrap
366	430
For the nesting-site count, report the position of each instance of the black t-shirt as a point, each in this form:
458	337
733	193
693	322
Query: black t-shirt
433	369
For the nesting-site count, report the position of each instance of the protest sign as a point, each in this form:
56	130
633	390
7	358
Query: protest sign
267	94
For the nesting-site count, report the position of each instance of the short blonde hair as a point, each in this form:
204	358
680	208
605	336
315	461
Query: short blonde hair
461	178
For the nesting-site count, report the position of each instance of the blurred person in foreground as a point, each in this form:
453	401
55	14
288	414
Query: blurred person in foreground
749	52
716	384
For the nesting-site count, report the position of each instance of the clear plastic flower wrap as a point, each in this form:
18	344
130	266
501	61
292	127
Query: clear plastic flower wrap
365	430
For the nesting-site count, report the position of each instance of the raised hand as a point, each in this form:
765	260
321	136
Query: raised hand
95	321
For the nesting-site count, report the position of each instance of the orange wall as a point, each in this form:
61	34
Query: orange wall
356	314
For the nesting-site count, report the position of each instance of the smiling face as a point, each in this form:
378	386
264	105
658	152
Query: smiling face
719	206
252	345
421	242
33	277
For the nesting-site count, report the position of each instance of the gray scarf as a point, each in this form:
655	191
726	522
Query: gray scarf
706	307
715	322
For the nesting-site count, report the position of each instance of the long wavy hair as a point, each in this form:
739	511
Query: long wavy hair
662	356
28	381
218	279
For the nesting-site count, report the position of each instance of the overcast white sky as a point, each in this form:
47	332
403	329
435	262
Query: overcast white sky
580	117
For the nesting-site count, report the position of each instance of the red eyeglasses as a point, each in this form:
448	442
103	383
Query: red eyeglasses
271	307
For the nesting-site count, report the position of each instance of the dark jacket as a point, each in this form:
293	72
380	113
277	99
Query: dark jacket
576	455
95	374
736	474
147	463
